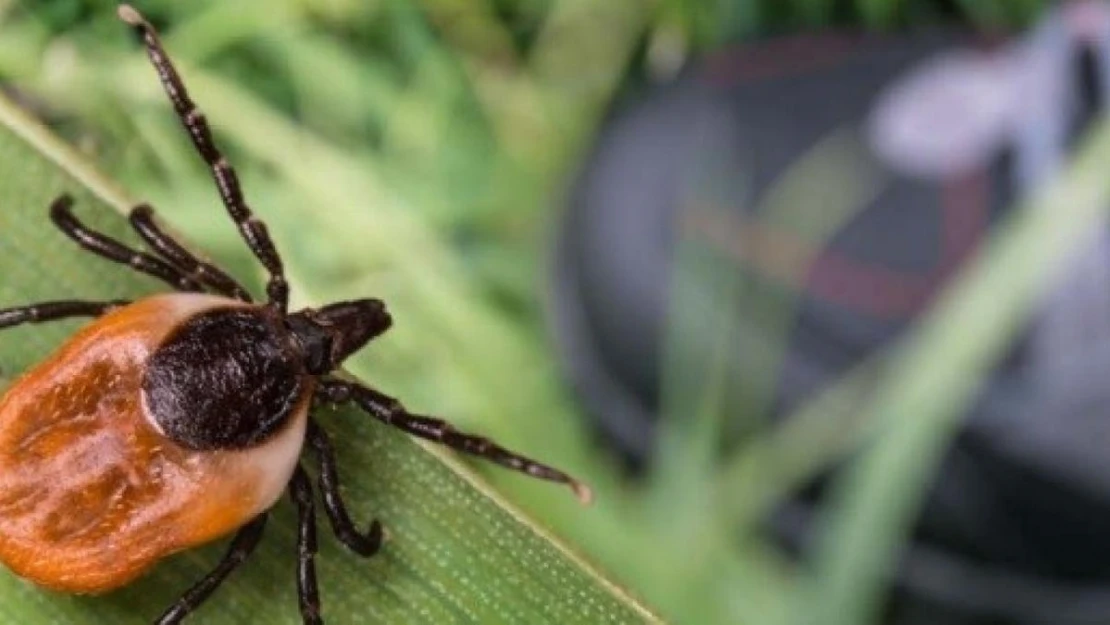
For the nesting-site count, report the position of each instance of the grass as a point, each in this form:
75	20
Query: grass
416	150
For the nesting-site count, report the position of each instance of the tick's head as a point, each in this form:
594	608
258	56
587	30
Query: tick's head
329	335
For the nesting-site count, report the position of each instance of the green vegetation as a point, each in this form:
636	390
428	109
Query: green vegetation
417	150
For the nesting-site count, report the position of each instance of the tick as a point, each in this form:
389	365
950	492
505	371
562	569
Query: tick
174	420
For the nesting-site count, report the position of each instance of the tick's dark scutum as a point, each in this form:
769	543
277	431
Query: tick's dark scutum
226	379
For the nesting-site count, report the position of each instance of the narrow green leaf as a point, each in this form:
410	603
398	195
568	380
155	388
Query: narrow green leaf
456	553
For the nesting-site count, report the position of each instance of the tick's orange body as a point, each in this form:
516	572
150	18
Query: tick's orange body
91	492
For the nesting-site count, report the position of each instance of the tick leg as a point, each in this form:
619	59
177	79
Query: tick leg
300	488
241	548
107	247
363	544
390	411
254	232
50	311
142	220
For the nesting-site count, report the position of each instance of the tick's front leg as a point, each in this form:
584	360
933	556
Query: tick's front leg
308	594
365	544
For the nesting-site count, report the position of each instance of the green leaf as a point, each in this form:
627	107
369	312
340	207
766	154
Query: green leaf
456	552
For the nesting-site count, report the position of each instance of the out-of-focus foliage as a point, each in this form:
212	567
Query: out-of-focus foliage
415	150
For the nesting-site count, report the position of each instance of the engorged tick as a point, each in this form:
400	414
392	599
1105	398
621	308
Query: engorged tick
176	419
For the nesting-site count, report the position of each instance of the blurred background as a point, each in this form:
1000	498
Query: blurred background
779	278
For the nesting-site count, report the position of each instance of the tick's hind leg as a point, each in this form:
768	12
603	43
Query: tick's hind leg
308	595
241	548
111	249
51	311
142	220
363	544
390	411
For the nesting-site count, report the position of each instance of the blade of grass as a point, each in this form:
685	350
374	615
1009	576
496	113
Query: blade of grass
457	553
800	212
804	208
935	375
783	459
